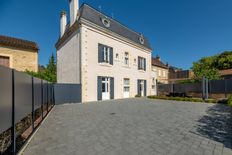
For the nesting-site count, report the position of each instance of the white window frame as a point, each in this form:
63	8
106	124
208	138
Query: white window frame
142	64
126	85
126	59
106	54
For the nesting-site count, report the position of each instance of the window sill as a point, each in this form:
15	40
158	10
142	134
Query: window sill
105	64
124	66
142	71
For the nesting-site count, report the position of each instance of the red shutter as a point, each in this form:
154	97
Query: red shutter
5	61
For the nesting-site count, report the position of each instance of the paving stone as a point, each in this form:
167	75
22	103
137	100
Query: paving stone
137	126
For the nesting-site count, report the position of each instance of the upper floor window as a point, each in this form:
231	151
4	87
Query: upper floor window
126	59
164	74
141	63
105	54
159	72
117	56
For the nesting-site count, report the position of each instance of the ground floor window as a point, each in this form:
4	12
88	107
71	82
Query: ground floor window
5	61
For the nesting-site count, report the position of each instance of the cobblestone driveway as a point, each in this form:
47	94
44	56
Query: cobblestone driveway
135	127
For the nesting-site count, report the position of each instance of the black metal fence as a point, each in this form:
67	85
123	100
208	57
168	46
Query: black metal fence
213	88
24	102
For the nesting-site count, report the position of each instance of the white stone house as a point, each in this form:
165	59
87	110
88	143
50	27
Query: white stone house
109	60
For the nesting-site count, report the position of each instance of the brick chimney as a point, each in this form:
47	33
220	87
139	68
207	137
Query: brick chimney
158	57
63	22
73	7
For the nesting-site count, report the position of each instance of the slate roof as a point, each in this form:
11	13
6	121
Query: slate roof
158	63
18	43
90	14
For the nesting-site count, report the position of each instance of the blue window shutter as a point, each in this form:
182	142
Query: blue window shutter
111	88
145	64
100	53
138	90
138	63
99	88
111	56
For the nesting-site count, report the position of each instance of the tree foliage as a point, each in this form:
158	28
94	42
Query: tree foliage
209	66
49	73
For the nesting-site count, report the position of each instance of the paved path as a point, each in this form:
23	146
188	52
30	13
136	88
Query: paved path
135	127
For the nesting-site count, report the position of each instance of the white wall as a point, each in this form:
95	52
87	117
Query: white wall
68	61
91	68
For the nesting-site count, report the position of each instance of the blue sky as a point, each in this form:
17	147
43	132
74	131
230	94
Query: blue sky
180	31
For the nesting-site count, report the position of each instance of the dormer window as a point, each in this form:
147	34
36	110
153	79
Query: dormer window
105	22
141	39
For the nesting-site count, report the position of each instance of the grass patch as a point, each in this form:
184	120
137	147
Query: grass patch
183	99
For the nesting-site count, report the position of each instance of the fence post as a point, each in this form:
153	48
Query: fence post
13	131
42	97
206	88
33	103
156	81
53	95
203	88
47	97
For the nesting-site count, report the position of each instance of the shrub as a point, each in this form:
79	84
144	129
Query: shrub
183	99
229	102
137	95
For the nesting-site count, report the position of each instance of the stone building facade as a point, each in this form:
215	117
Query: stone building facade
18	54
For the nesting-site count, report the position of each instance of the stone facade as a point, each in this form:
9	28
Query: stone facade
21	59
162	74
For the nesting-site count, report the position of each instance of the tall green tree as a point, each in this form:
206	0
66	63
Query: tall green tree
49	73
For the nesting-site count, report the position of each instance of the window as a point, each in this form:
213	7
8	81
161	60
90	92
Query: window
105	54
5	61
126	82
105	22
126	59
159	72
141	63
153	83
164	74
126	88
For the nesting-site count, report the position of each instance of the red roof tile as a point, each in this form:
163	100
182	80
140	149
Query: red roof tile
18	43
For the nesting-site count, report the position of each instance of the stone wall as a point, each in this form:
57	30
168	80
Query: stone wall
21	59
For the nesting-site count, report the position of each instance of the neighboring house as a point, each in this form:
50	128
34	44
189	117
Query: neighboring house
176	75
161	70
226	74
109	60
18	54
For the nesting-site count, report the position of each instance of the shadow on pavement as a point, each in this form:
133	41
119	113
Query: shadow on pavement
217	124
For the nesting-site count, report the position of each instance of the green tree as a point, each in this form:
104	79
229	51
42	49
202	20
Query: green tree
223	61
49	73
210	66
204	68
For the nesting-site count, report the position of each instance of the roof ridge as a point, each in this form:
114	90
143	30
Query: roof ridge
18	39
